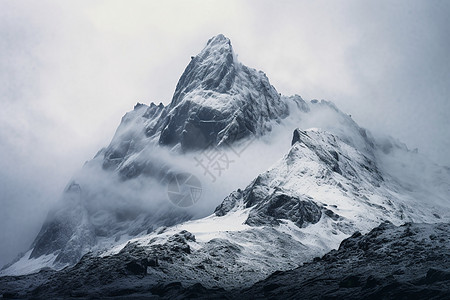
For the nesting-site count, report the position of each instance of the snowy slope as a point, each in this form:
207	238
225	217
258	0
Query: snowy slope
321	192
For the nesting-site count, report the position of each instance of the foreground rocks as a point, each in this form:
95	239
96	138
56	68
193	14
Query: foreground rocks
407	262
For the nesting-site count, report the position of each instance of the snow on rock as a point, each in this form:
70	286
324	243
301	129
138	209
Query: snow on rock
219	100
334	179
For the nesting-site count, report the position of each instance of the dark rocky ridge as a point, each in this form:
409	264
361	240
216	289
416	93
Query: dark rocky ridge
280	206
406	262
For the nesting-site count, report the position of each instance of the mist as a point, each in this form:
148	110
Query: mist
69	71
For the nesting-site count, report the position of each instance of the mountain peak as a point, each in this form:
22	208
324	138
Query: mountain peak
220	40
218	100
212	69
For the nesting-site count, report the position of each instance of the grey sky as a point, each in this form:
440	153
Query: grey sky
69	71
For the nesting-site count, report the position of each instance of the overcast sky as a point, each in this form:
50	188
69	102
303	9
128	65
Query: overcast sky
70	69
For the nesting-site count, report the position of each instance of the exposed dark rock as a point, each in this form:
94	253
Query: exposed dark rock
296	137
437	275
331	214
281	206
228	203
137	267
350	281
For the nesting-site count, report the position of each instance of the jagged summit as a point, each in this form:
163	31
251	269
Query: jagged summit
214	68
219	100
218	48
219	39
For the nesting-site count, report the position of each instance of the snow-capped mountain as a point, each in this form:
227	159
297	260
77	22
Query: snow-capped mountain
217	101
328	178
